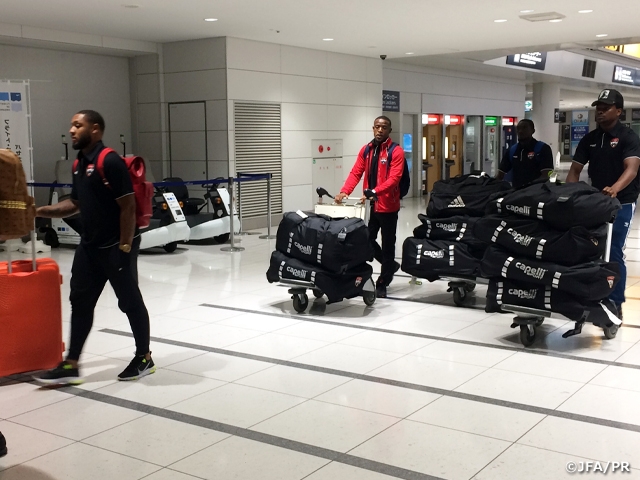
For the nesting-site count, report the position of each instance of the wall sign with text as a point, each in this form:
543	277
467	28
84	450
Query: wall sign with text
535	60
390	101
626	75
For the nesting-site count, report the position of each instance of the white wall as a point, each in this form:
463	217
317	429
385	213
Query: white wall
61	84
323	95
425	90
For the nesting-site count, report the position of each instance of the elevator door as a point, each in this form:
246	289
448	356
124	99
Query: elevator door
473	144
454	150
431	156
491	150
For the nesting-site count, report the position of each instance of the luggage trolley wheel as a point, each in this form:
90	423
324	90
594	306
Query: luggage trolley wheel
369	298
527	334
317	293
459	295
300	302
610	331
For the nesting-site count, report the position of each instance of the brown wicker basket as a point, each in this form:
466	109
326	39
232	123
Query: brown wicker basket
17	210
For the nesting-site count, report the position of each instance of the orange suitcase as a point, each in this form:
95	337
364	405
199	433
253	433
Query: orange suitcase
30	316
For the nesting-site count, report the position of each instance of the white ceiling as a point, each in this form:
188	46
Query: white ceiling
360	27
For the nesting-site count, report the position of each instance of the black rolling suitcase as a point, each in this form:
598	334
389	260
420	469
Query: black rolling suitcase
335	244
591	281
534	239
464	195
561	206
433	259
335	286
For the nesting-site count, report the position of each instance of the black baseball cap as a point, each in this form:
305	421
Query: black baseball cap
610	97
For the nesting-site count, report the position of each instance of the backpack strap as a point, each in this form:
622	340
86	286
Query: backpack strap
512	151
100	164
538	147
390	155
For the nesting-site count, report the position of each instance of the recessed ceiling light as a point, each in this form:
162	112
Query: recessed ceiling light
409	53
600	35
529	93
500	20
555	20
131	5
585	11
527	11
327	39
210	19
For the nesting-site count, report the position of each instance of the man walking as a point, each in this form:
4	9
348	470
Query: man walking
108	250
382	167
613	153
530	160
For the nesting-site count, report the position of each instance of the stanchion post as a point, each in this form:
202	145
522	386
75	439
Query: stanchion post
240	231
232	247
268	235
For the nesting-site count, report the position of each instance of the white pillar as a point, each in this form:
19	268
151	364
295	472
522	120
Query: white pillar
546	98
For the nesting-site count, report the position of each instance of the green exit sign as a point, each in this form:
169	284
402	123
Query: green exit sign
491	121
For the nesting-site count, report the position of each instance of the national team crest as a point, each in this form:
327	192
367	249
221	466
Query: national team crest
90	169
531	155
614	142
383	161
610	281
358	281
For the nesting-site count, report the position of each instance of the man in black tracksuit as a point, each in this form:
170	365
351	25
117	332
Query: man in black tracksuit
108	250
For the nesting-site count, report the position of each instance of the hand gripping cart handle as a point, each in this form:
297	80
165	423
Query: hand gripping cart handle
351	207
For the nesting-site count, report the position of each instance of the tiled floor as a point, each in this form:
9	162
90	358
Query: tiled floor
413	388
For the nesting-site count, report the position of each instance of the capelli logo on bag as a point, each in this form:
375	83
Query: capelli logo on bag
306	249
297	272
519	210
524	240
610	281
537	273
447	227
434	254
524	294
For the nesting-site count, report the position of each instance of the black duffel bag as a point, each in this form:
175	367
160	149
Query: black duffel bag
502	293
452	229
336	244
432	259
535	239
561	206
464	195
592	280
335	286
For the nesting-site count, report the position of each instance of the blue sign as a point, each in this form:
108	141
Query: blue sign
407	142
580	117
578	132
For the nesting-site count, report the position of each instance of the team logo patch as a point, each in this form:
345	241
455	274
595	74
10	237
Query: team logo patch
383	161
531	155
610	281
614	142
90	169
358	281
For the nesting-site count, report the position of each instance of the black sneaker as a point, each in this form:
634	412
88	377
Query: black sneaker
381	291
3	445
63	374
138	368
619	308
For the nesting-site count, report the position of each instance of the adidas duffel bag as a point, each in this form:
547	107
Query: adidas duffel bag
336	244
432	259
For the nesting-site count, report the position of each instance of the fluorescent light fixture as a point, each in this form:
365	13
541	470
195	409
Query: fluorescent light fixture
327	39
527	11
409	53
555	20
210	19
585	11
600	35
500	20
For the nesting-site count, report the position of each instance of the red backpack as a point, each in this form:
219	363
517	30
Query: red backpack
142	189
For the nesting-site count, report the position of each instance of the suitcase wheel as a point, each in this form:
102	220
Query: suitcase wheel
317	293
369	298
610	332
527	334
300	302
459	296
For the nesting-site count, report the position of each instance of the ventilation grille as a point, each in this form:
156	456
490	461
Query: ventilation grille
589	68
542	17
258	145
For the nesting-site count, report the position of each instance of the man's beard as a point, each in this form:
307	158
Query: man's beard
83	142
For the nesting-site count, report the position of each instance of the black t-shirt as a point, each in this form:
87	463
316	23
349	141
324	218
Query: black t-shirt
526	164
99	211
605	152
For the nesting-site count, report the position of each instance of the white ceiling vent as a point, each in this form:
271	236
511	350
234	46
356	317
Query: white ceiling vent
542	17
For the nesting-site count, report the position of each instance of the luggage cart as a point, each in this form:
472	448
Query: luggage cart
529	319
350	208
462	285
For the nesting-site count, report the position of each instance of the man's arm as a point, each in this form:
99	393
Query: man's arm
580	159
127	206
630	172
63	209
546	161
505	165
574	172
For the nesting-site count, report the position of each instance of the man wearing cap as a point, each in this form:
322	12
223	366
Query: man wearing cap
613	153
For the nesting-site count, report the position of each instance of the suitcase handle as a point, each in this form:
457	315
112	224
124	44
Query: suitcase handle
34	264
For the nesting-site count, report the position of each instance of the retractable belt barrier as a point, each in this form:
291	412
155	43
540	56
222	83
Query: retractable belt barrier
241	178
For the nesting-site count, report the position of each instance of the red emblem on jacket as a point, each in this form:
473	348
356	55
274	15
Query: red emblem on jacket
90	169
614	142
531	155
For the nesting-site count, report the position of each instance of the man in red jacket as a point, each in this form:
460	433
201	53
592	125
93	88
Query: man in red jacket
381	184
